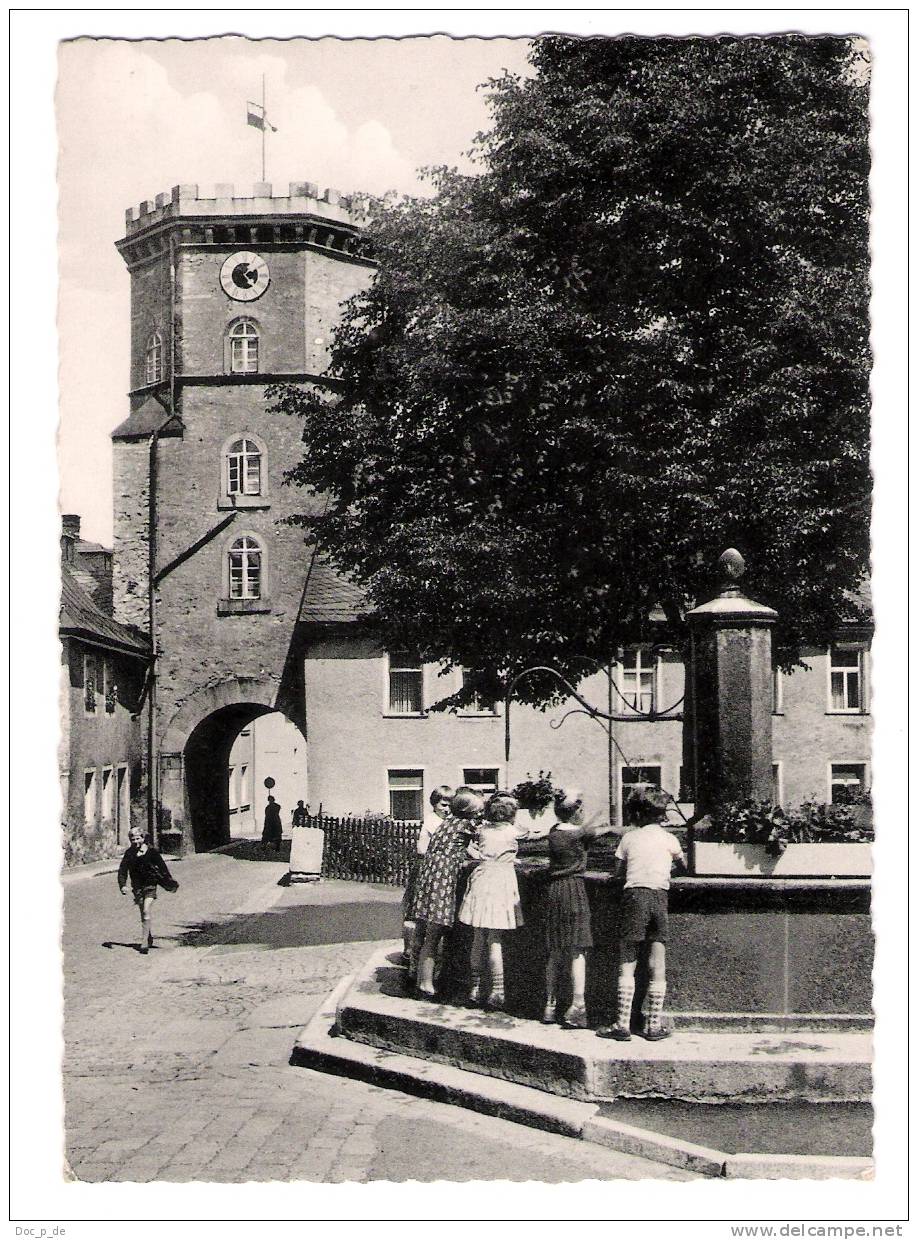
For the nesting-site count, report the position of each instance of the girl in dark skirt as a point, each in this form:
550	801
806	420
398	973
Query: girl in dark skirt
438	880
567	916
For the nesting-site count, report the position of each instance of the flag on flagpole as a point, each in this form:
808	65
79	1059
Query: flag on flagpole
256	117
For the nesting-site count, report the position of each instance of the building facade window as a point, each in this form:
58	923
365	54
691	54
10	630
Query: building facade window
89	798
847	781
777	784
153	363
123	792
108	794
476	706
94	696
111	686
484	780
243	468
686	785
243	348
405	695
637	679
632	777
846	679
406	794
245	568
777	691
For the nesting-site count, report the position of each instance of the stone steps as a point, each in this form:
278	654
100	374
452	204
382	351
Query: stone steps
696	1064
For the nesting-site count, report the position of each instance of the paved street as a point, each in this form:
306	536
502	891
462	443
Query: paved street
176	1064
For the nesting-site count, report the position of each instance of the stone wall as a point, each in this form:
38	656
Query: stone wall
150	310
131	500
199	645
94	742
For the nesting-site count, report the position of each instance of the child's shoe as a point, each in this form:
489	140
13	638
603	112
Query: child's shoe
550	1015
576	1017
620	1033
473	998
658	1033
496	1002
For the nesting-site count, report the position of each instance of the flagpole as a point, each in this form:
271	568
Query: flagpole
264	126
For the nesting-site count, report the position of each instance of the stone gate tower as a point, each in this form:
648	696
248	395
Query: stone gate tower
228	294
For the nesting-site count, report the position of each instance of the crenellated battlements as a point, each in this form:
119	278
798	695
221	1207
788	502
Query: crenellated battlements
302	199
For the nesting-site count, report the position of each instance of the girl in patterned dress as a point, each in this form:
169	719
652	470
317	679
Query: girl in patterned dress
435	891
568	930
413	931
492	901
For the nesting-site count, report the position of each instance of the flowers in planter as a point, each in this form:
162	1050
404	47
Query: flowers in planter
111	697
535	795
771	827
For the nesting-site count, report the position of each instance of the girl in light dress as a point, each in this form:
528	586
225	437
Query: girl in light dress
568	930
434	900
492	900
413	931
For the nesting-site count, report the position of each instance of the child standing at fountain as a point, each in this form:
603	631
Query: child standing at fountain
438	879
647	854
492	900
413	931
567	921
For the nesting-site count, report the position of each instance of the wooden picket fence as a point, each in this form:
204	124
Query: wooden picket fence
367	850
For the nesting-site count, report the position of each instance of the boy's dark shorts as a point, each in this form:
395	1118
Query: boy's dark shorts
643	915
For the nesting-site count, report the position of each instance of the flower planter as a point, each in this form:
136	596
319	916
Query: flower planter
797	861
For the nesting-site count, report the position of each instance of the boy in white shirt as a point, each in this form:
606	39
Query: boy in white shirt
647	854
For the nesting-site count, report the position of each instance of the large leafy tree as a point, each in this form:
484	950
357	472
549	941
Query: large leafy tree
638	336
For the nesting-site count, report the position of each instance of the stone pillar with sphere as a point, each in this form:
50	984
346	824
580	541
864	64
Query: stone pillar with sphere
731	693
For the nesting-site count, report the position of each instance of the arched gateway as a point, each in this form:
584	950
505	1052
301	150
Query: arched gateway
194	758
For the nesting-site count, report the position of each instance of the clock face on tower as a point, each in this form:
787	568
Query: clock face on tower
244	276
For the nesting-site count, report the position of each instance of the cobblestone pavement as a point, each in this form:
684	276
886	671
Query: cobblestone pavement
176	1064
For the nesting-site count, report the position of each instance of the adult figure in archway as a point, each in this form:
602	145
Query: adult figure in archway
273	832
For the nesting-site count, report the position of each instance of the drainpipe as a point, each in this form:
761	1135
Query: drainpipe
153	820
152	756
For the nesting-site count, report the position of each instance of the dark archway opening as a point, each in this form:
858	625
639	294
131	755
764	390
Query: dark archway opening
206	774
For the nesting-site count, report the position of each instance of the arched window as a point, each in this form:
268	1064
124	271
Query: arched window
243	468
154	358
243	348
245	568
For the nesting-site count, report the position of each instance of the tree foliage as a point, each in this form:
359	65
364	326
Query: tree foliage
638	336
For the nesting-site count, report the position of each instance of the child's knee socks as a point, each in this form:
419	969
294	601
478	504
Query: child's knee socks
625	1000
655	995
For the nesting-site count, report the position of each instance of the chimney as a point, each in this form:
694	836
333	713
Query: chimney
70	534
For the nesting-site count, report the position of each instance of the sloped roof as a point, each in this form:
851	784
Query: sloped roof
89	548
80	617
149	417
329	597
85	580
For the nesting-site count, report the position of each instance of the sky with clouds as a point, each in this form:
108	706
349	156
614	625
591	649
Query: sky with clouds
134	119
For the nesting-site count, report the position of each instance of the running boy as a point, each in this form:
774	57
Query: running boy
646	853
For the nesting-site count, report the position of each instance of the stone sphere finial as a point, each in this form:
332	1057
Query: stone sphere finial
732	566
